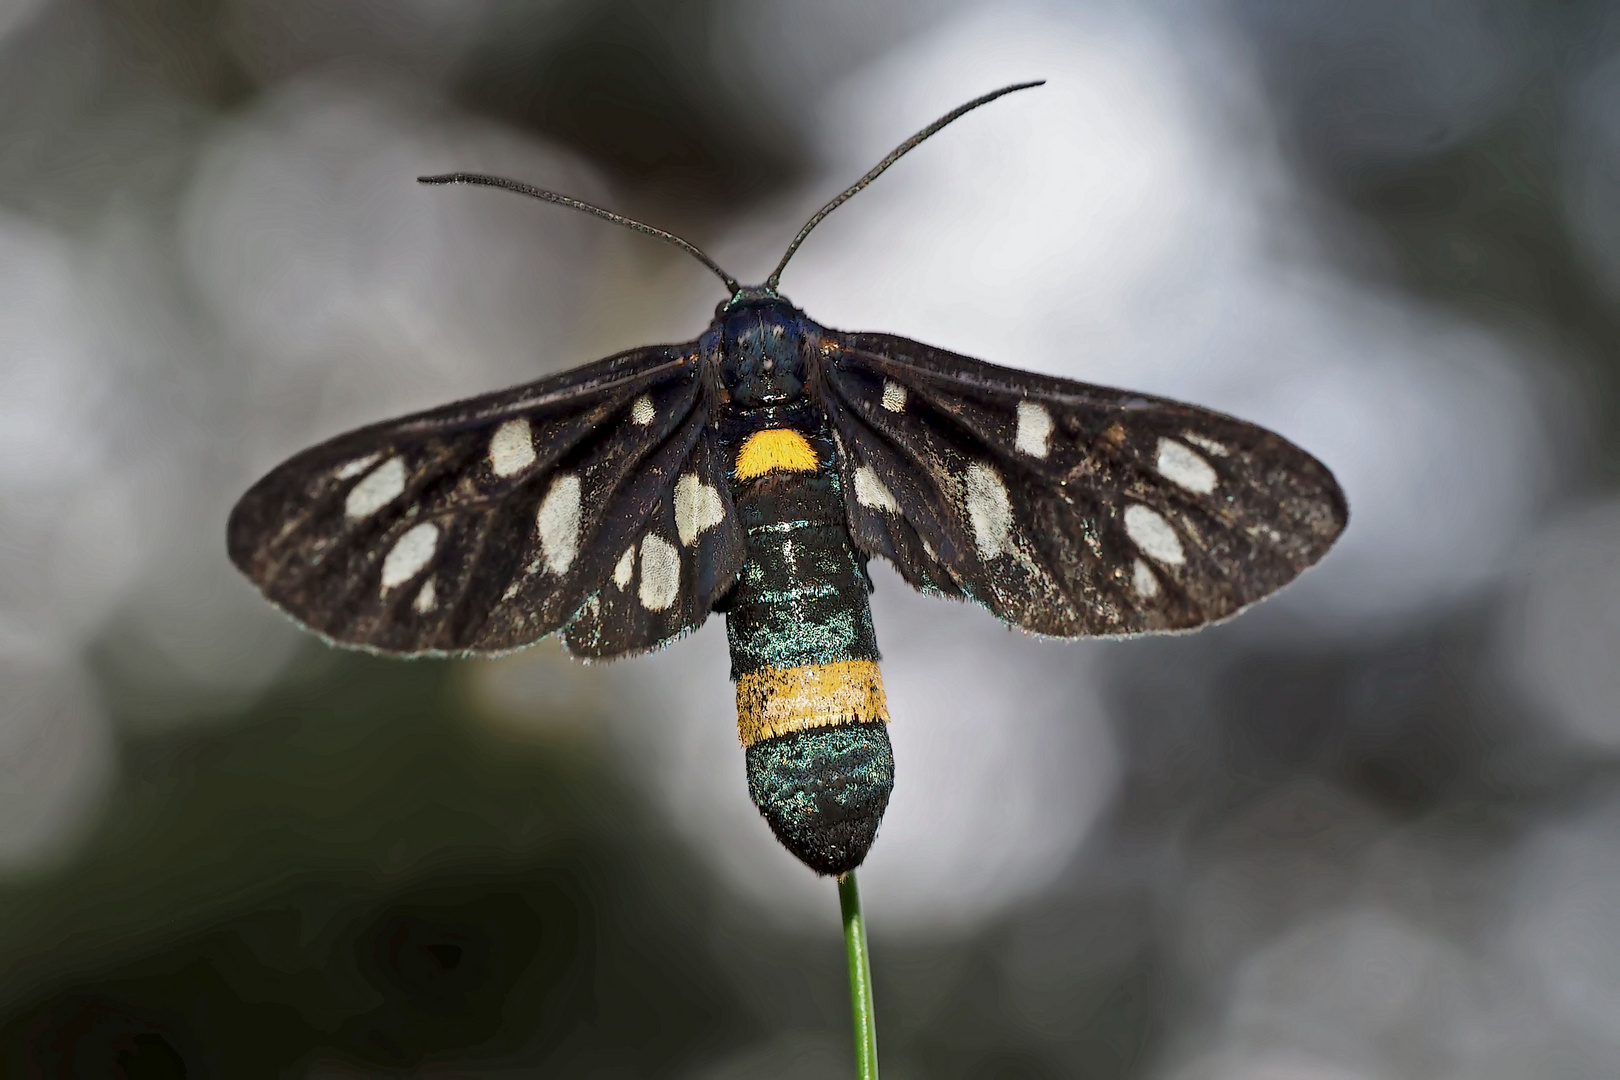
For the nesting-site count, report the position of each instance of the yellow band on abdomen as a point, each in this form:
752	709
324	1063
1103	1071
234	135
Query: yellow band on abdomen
775	450
779	701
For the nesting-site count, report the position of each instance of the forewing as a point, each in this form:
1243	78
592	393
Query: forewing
1067	509
477	527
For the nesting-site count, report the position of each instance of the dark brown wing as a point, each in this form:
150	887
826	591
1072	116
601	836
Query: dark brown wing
1064	508
484	525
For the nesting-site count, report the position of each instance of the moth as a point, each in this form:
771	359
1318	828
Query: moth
754	472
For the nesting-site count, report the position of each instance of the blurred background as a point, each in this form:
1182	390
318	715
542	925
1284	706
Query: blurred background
1369	831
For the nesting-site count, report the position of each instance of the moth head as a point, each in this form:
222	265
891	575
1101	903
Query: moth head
762	353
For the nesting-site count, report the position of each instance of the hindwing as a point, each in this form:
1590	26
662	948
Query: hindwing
1066	509
485	525
661	567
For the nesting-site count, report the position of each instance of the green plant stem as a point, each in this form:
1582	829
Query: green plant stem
860	978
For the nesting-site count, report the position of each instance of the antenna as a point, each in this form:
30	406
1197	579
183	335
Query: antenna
894	155
691	249
575	204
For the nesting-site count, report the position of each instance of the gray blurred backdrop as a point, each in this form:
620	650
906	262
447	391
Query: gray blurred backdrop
1369	831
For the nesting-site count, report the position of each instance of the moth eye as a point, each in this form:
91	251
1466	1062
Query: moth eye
1182	465
558	523
989	510
1034	429
697	508
379	488
1153	535
660	573
409	554
1143	580
894	396
870	491
511	449
641	413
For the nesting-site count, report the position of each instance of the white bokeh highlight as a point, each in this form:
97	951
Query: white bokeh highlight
1559	635
1367	991
1113	228
348	291
71	538
344	292
154	368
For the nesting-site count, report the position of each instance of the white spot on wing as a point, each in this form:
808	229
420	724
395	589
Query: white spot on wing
1153	535
894	396
641	412
697	507
1208	445
1034	429
380	487
660	573
1144	580
410	553
426	597
511	449
1182	465
558	521
870	491
356	467
989	511
626	567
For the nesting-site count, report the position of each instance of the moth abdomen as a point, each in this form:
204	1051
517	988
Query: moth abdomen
823	791
811	711
820	767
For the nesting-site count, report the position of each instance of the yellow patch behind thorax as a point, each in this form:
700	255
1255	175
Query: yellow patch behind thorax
775	450
778	701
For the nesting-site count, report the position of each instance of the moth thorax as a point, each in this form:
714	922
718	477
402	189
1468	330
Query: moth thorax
761	354
820	767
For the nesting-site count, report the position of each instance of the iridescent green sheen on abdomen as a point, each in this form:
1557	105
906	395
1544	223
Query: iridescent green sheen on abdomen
802	601
824	791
